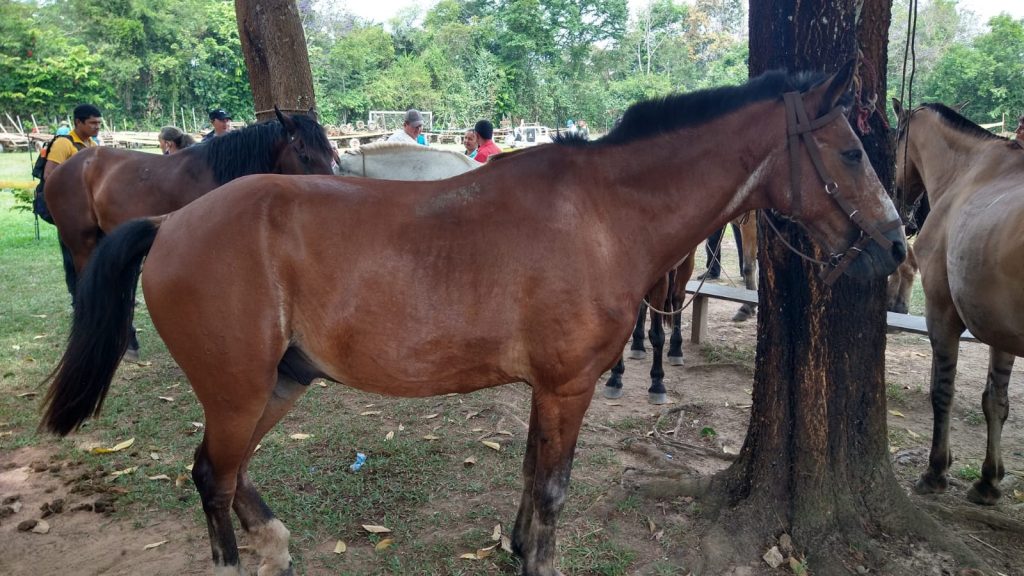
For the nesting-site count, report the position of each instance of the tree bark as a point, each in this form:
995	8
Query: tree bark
274	46
815	462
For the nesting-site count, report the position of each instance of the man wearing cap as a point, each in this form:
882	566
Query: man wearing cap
412	126
221	122
484	132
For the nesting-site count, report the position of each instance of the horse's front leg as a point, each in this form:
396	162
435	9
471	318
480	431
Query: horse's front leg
555	420
996	405
636	346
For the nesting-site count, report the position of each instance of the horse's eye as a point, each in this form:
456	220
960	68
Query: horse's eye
852	157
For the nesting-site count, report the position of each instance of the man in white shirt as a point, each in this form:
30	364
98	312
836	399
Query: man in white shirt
412	125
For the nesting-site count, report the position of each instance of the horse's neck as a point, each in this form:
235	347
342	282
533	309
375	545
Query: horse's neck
952	162
680	188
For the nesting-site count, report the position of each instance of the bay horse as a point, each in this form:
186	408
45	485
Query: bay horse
971	255
401	161
669	295
99	188
391	287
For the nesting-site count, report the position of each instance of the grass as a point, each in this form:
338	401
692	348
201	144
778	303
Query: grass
437	507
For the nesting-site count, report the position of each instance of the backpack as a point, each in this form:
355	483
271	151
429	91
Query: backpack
38	169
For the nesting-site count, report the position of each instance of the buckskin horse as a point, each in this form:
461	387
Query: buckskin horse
99	188
972	267
391	287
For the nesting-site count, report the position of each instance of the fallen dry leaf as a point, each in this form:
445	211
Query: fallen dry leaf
384	544
897	413
613	403
120	473
154	455
492	445
504	433
154	545
340	547
27	394
401	427
323	384
159	477
496	533
180	481
166	398
431	437
376	529
116	448
506	543
389	435
371	413
41	527
430	416
477	430
300	436
651	526
469	461
472	414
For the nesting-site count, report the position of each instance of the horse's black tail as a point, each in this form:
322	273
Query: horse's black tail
99	329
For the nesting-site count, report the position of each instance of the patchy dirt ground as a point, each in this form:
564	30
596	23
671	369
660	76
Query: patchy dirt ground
711	392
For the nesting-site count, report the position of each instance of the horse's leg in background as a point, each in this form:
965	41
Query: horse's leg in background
747	243
70	275
269	534
677	295
613	387
555	419
996	405
658	297
636	347
944	329
901	284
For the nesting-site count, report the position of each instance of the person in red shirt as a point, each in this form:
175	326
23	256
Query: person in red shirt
485	131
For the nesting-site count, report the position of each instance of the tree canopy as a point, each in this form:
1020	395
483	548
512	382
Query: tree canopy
145	62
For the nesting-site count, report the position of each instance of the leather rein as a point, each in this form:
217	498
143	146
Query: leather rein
799	126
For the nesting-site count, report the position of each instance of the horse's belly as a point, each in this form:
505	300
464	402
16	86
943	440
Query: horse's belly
985	265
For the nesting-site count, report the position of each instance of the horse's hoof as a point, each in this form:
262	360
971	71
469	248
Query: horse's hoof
657	398
931	484
984	494
611	392
131	355
675	360
636	354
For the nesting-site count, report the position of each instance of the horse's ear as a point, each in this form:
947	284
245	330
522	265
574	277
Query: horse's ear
897	107
829	93
285	120
959	107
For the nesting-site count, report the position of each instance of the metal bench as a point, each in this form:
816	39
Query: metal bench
699	328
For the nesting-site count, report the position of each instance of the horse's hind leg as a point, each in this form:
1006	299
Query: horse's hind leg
268	533
70	276
230	422
555	420
996	405
944	329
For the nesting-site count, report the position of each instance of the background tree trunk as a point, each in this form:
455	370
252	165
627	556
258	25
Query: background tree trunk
815	462
274	46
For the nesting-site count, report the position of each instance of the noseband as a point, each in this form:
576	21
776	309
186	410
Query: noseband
799	126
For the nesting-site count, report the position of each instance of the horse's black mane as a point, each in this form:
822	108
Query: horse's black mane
253	149
959	123
661	115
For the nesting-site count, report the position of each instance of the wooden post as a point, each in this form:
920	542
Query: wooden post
699	325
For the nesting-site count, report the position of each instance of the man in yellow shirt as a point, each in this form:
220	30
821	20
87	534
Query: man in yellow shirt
88	120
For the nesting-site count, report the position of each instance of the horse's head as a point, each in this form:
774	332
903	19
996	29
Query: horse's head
909	184
832	190
306	149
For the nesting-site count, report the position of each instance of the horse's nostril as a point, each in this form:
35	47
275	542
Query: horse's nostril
899	251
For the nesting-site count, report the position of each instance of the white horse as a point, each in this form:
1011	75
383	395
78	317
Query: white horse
399	161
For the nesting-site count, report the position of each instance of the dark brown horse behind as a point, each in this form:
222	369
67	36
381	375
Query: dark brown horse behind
568	237
100	188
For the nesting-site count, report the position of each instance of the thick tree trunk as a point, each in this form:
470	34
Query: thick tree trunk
815	462
274	46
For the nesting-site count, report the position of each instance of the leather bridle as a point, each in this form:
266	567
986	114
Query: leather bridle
799	126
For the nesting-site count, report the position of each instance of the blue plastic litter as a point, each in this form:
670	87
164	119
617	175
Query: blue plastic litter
360	460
